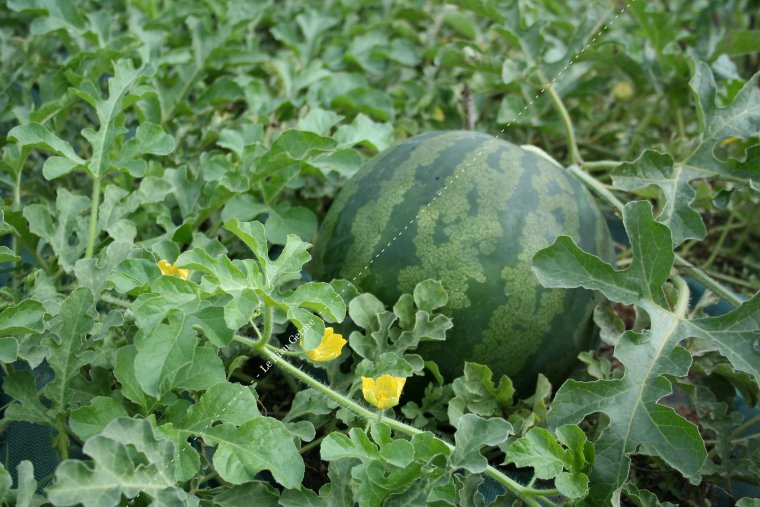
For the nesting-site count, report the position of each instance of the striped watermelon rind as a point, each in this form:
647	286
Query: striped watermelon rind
499	204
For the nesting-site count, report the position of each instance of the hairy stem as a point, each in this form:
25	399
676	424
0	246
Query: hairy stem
529	495
706	280
572	145
268	317
601	165
597	186
682	303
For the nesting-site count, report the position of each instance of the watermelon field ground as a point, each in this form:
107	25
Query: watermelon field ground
396	253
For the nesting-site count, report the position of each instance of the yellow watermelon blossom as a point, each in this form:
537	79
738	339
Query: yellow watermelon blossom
172	269
729	140
383	392
622	90
328	349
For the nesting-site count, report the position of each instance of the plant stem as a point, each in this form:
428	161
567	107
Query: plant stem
255	329
268	316
93	218
271	353
62	438
601	164
115	301
33	251
745	426
597	186
311	445
682	302
679	119
716	248
703	278
572	145
17	248
733	280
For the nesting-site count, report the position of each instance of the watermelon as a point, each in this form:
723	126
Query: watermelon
470	210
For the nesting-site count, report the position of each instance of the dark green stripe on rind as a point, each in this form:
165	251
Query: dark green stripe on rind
501	205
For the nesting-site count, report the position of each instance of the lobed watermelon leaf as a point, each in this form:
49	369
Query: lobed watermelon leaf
740	119
637	421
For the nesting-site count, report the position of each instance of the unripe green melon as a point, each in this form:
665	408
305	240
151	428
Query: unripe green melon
470	210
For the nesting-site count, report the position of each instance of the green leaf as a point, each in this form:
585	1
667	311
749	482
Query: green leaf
741	118
568	467
319	121
653	168
88	421
643	498
69	349
236	140
238	312
170	295
631	402
572	485
134	275
231	277
575	440
212	323
243	207
473	432
263	443
27	486
67	235
35	135
739	42
26	406
476	393
163	353
253	235
125	372
364	130
149	139
231	403
398	453
356	444
122	91
5	481
364	310
56	15
21	318
375	485
285	219
319	297
8	349
540	450
565	265
256	493
94	273
204	372
430	295
127	458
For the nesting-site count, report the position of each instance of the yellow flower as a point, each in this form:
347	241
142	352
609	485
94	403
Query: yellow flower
328	349
172	269
622	90
383	392
729	140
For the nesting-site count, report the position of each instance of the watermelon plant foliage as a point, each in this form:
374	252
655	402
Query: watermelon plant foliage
165	168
